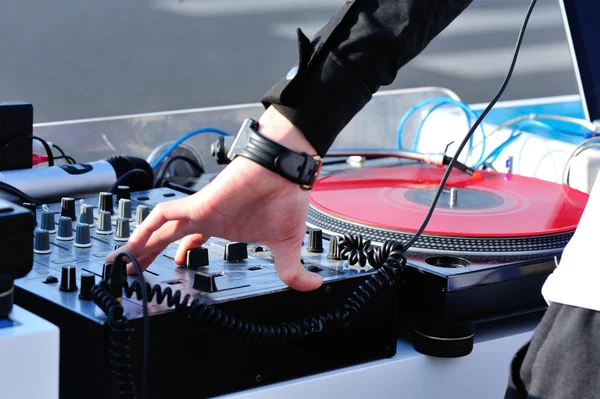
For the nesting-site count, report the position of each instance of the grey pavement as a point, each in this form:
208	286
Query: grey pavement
78	59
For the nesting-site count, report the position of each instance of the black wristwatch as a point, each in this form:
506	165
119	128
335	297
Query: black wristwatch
299	168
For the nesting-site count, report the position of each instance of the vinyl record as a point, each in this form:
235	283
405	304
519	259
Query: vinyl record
491	205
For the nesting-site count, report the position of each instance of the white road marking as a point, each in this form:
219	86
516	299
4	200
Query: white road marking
203	8
494	62
503	20
470	22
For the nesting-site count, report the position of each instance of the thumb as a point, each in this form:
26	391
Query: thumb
290	269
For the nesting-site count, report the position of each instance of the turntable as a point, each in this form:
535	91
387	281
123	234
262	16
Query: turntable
491	243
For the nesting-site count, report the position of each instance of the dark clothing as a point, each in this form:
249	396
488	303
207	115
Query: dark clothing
562	360
357	52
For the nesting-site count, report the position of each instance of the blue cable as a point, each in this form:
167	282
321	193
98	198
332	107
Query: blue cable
183	138
470	116
440	101
516	132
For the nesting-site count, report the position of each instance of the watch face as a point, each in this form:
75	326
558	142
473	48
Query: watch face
241	140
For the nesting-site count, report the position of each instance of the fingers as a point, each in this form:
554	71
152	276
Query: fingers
291	271
189	242
157	230
168	222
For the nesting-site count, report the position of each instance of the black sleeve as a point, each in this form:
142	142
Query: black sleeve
358	51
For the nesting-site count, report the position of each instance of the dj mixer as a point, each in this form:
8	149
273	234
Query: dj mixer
225	322
235	281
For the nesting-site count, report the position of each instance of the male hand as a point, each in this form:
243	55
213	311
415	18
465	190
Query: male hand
245	202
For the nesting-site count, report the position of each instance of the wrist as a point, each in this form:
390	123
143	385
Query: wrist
275	126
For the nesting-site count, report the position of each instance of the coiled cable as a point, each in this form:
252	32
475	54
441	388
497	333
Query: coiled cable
118	341
387	260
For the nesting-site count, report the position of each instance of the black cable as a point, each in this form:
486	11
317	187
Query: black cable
119	343
165	169
388	260
473	128
119	338
127	175
146	343
8	143
68	158
12	190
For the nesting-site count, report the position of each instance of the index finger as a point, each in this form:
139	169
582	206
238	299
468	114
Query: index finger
161	214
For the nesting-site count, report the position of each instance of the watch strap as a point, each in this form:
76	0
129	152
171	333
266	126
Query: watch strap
299	168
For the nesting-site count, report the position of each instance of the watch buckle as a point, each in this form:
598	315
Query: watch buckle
319	161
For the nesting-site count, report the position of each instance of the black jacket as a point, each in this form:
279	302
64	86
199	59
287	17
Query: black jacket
358	51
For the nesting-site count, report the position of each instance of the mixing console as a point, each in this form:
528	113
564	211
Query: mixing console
70	244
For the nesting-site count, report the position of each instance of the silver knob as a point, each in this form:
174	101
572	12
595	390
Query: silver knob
125	208
86	214
82	236
122	233
104	223
41	243
65	229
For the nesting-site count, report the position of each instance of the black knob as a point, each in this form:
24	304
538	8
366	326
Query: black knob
334	249
196	258
105	202
41	243
205	282
88	280
48	221
86	214
68	282
65	229
32	208
235	251
123	192
67	207
315	240
107	269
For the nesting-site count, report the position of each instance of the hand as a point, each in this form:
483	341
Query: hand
245	202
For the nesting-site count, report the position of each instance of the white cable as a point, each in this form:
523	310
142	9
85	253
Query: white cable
593	142
592	127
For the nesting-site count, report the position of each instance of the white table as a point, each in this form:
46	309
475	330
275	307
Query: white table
409	374
29	353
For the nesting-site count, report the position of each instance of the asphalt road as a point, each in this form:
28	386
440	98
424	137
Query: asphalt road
78	59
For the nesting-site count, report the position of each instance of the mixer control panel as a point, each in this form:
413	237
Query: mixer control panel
73	238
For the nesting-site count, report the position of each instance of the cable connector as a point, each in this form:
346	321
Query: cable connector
38	159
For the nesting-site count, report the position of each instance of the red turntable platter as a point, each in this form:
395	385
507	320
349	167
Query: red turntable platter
491	205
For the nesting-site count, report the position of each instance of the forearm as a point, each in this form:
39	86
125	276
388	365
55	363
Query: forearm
357	52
